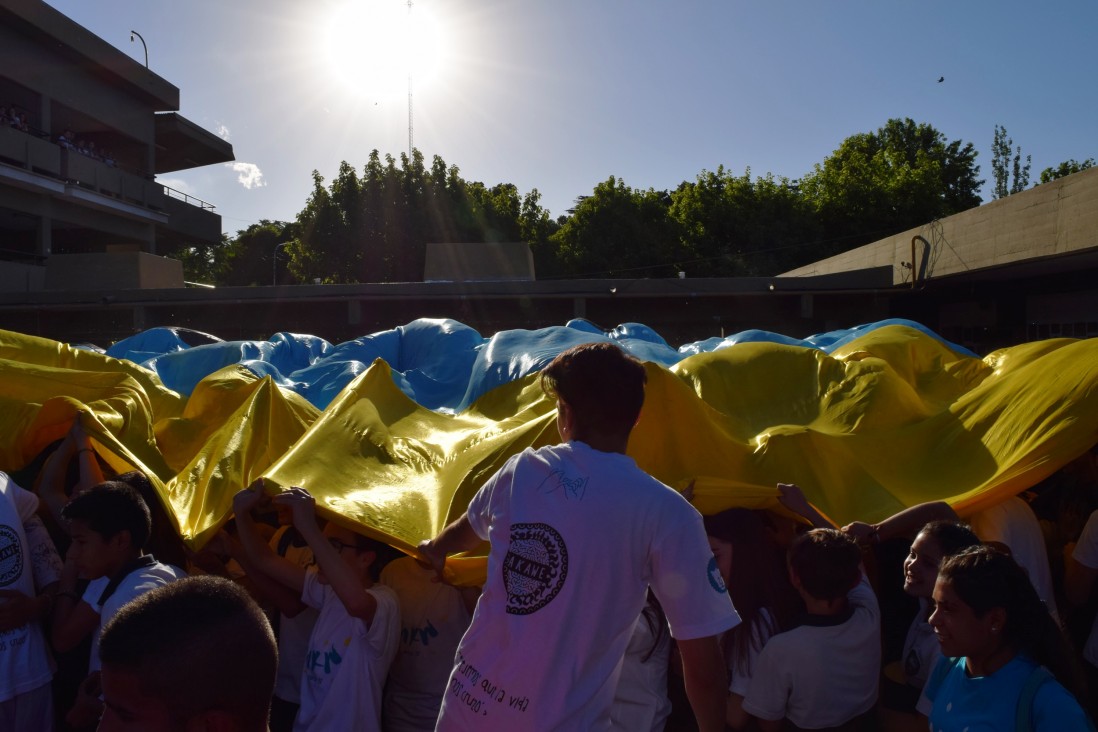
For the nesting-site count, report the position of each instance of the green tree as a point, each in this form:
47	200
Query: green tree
255	255
1003	165
735	226
620	232
374	227
1066	168
880	183
205	262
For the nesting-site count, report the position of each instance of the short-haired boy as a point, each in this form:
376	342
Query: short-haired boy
194	654
358	630
109	525
824	673
578	533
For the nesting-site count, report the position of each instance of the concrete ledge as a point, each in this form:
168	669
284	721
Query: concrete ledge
112	271
1050	220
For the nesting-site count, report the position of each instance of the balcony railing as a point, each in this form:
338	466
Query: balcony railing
181	196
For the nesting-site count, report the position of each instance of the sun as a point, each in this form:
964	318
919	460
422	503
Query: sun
373	46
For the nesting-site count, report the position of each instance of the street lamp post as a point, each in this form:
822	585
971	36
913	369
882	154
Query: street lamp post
135	33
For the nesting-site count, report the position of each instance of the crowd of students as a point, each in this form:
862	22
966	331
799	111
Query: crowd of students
16	119
599	612
12	117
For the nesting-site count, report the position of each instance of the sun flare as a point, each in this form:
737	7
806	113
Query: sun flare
372	47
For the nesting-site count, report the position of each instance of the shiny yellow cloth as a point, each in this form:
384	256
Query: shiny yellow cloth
893	419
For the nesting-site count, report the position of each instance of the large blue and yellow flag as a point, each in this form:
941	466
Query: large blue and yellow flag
394	432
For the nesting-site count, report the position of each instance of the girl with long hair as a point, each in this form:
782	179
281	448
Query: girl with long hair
752	568
1006	664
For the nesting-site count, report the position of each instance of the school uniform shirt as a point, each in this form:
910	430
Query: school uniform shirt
1012	522
824	672
990	703
1086	554
641	703
347	661
293	633
921	648
144	575
25	661
741	670
577	536
433	617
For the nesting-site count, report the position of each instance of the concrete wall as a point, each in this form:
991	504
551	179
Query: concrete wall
15	277
112	271
1051	219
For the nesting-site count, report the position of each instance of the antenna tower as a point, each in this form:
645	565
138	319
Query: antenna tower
408	45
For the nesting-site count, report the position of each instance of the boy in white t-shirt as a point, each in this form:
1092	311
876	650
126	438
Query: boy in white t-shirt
824	673
109	526
578	533
357	632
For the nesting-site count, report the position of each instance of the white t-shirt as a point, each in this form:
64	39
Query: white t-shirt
823	673
921	648
1086	554
1012	522
347	661
577	536
25	661
641	703
147	574
293	633
433	617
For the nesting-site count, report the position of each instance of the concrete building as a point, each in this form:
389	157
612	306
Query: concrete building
93	197
1022	268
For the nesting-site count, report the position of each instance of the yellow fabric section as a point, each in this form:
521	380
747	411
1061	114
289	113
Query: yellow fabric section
891	420
233	428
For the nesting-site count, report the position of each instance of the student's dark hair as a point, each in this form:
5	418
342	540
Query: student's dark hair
164	541
602	384
950	536
827	563
653	615
757	583
985	578
199	644
111	507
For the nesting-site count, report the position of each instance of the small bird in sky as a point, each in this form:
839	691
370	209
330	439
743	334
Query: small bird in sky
941	79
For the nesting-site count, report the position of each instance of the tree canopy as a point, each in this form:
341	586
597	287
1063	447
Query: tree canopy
373	224
901	176
1003	165
1066	168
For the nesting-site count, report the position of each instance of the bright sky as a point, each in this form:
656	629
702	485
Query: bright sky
560	94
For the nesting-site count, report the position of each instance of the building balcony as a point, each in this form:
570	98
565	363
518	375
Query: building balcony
97	176
188	219
29	151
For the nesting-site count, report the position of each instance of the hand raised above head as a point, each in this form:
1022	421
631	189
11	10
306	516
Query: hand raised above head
861	532
248	499
300	502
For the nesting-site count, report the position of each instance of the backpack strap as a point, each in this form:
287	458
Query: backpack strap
145	560
1023	715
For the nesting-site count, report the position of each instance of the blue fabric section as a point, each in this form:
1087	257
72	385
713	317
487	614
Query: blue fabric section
440	363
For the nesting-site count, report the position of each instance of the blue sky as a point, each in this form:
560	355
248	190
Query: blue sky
560	94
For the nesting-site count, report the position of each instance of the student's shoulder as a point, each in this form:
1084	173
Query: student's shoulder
1056	708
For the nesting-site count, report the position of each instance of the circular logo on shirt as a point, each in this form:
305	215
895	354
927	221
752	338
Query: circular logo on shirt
11	556
715	578
534	568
